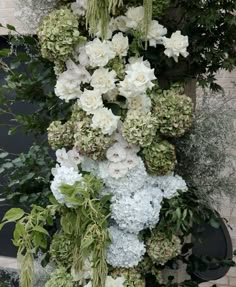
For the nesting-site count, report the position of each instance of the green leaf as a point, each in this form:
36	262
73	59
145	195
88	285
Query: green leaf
10	27
4	52
40	229
13	214
4	154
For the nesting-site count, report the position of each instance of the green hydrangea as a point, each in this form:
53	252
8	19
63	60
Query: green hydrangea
147	267
60	278
161	249
173	112
139	128
58	34
91	142
77	114
118	66
61	249
60	135
159	157
132	277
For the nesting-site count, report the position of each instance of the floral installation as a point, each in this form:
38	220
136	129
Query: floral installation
116	160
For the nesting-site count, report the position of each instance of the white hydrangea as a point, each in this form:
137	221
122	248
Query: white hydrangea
103	80
141	103
138	211
69	82
120	44
90	101
68	159
133	180
126	250
111	282
63	175
117	169
116	153
170	184
155	34
135	16
79	7
99	52
105	120
176	45
138	79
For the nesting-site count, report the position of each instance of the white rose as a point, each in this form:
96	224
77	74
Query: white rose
140	103
80	55
138	79
90	101
176	45
99	52
135	16
105	120
103	80
156	33
116	153
117	169
120	44
68	83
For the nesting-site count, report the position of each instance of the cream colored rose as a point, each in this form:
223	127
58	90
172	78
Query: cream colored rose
105	120
90	101
120	44
135	16
103	80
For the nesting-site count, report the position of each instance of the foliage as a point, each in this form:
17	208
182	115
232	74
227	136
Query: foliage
29	236
205	154
29	79
27	176
211	27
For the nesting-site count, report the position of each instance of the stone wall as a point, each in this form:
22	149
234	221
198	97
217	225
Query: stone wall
228	209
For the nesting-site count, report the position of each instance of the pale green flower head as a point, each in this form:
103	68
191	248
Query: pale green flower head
132	277
173	112
60	278
161	249
139	128
58	34
159	157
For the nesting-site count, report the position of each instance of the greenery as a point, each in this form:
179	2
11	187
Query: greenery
26	177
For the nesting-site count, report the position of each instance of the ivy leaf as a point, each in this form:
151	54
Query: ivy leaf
3	154
10	27
13	214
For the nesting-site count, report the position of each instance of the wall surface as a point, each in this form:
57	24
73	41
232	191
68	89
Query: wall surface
228	208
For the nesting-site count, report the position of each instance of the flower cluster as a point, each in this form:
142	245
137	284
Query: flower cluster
60	278
161	248
115	133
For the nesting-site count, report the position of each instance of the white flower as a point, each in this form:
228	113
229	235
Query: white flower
90	101
125	250
103	80
68	159
79	7
132	160
111	282
117	169
120	23
170	185
105	120
120	44
63	175
80	55
141	103
176	45
99	52
116	153
139	211
155	33
135	16
138	79
68	83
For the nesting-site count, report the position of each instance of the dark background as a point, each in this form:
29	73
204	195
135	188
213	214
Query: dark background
16	143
